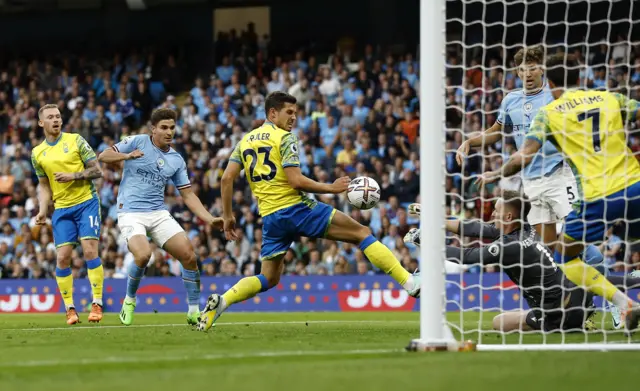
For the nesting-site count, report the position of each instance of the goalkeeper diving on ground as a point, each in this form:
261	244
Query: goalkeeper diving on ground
588	127
555	303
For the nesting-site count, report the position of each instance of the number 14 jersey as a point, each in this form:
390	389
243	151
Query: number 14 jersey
264	153
589	128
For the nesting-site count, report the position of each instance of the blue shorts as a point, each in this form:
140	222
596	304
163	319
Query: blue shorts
281	228
590	223
81	221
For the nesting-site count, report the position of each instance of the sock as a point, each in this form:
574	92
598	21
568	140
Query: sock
133	282
96	278
245	289
586	276
65	284
381	257
191	280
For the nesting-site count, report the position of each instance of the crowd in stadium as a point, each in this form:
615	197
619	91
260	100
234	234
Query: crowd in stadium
358	115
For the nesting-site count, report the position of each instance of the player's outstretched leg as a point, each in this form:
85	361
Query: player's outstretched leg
243	290
65	282
591	279
181	249
95	272
345	229
592	256
139	247
87	219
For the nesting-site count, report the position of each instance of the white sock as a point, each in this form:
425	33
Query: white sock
223	304
621	300
98	302
409	285
71	306
129	299
193	308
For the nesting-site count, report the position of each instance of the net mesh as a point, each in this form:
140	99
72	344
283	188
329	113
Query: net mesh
482	39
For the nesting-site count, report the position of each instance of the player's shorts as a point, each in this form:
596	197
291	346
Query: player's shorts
590	222
551	196
578	306
282	227
76	223
159	225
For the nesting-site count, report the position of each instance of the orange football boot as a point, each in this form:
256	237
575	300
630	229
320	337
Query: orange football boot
96	313
72	316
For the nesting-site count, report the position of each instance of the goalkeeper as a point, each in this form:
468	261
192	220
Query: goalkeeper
556	303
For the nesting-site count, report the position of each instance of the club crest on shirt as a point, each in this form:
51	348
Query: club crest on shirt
527	107
65	147
160	162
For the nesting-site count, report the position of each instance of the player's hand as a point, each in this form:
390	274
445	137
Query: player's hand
487	178
414	210
462	152
341	185
63	177
41	218
230	228
217	223
135	154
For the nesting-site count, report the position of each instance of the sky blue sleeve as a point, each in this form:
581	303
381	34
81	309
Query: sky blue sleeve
181	177
503	113
127	145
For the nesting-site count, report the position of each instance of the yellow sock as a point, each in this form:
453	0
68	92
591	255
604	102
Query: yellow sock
588	277
65	284
379	255
245	289
96	278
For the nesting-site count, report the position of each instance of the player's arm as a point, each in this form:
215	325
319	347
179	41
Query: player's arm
473	229
124	150
628	107
234	167
91	167
191	200
291	166
495	253
519	160
45	194
488	137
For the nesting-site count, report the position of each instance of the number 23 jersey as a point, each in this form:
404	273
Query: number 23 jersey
589	128
264	153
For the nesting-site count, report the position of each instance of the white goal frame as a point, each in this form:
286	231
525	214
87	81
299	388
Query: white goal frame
435	332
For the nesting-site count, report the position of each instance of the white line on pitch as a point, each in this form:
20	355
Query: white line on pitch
96	327
207	357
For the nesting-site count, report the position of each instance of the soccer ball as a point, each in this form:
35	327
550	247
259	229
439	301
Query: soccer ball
363	193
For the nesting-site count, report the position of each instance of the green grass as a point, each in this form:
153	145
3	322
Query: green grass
289	351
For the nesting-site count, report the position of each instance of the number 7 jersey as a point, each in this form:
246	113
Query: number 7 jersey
589	128
264	153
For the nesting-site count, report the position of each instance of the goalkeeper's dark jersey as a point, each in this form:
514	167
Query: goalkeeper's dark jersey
522	256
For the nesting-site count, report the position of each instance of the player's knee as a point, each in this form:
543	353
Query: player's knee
63	258
189	260
273	279
142	257
362	233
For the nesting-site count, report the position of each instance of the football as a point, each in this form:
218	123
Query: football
363	193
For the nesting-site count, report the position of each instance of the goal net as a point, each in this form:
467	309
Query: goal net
466	75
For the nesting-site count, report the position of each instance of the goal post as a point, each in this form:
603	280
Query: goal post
484	38
434	331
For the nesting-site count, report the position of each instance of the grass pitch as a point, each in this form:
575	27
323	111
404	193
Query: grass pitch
287	351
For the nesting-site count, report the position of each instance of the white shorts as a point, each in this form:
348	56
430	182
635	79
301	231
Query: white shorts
159	225
551	197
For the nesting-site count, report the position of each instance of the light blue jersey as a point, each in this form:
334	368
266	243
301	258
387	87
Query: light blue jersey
144	179
517	112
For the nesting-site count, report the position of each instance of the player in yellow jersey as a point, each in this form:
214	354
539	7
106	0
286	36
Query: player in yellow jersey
588	126
269	156
66	166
